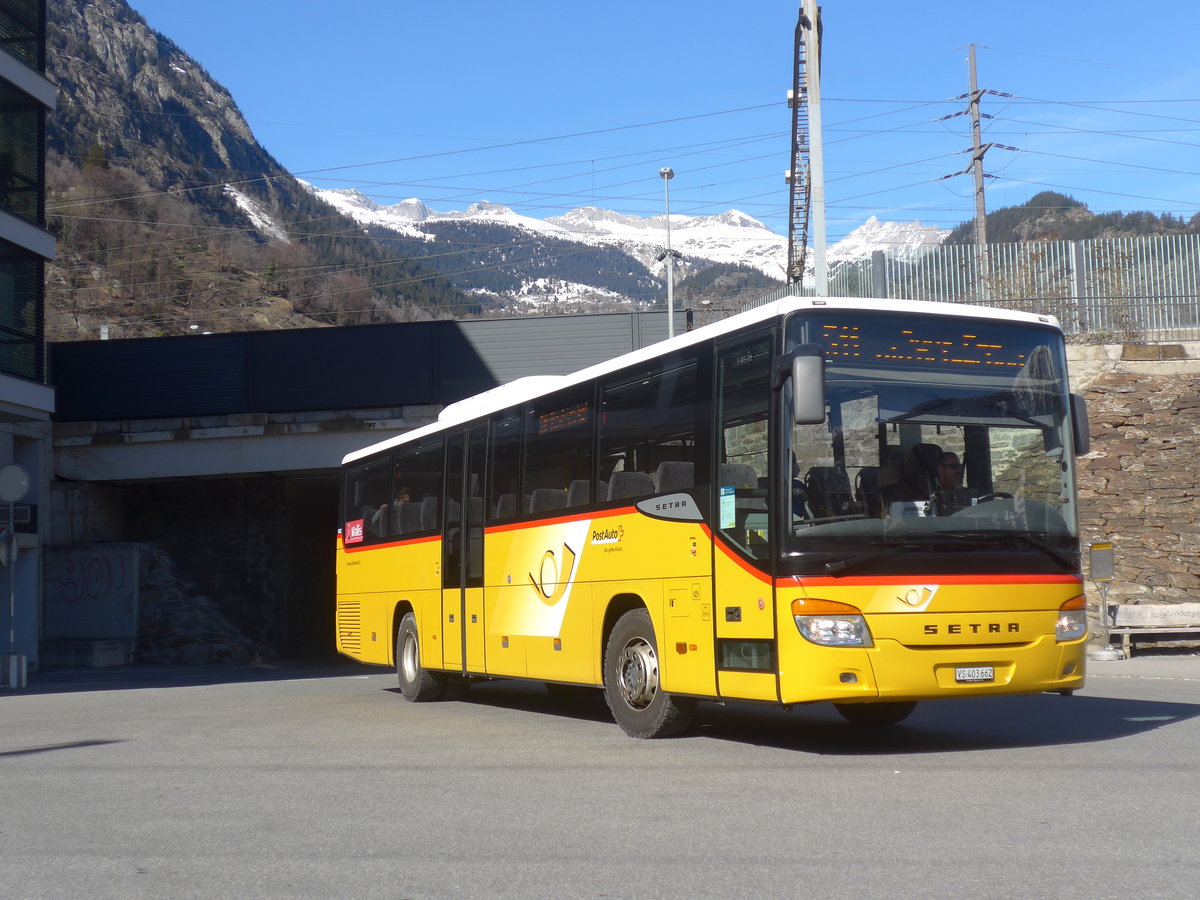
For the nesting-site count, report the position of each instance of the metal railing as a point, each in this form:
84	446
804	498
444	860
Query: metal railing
1135	289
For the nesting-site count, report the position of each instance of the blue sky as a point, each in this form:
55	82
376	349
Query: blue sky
548	106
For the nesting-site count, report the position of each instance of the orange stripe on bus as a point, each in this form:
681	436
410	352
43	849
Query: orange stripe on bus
405	543
868	580
557	520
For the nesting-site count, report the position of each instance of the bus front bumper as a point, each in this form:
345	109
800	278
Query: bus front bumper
894	672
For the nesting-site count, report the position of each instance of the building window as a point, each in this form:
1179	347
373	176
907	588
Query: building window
22	122
22	30
21	281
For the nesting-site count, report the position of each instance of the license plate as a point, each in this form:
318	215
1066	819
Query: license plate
972	674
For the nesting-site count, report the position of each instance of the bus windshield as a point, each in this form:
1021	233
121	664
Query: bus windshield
944	439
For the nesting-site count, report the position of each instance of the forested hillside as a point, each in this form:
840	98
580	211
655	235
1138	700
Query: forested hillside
171	218
1053	216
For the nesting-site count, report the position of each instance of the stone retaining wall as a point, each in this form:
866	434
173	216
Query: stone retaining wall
1140	484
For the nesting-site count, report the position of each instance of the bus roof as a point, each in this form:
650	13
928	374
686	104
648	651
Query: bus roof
532	386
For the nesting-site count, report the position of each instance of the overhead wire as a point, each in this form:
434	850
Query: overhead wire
540	199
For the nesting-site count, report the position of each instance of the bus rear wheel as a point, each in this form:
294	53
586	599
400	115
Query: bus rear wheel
631	682
417	684
876	714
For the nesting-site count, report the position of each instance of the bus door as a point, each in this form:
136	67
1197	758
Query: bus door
744	607
462	551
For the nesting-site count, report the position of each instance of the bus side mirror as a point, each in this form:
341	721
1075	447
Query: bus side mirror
808	385
1079	425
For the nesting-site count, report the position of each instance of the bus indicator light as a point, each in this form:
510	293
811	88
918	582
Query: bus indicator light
1072	620
831	624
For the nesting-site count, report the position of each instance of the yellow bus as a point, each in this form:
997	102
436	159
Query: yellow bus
815	500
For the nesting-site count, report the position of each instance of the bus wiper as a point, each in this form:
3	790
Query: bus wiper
1033	540
1045	546
824	520
965	540
862	559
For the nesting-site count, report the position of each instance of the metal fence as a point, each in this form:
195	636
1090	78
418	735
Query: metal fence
1102	291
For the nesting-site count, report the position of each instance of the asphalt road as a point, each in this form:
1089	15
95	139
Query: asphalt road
323	782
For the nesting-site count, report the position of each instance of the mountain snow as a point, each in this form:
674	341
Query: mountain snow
258	216
730	237
905	240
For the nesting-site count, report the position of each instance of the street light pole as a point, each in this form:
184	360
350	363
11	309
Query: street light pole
667	174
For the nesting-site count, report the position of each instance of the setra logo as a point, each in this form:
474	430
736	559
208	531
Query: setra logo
553	577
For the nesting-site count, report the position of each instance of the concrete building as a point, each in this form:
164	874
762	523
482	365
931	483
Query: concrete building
26	402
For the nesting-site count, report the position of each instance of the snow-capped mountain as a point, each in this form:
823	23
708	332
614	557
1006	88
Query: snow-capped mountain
905	240
731	237
504	239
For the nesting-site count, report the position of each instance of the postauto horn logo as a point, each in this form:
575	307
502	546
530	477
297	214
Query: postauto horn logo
549	583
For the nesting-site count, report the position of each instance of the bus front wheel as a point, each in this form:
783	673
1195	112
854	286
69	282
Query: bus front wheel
417	684
875	713
631	682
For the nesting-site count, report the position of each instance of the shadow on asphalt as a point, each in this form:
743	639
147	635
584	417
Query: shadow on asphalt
151	675
939	726
983	723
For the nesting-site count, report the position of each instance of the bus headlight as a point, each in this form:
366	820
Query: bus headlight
1072	620
831	624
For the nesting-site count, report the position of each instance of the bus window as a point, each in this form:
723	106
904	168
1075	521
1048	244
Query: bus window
473	506
745	394
418	474
504	501
648	432
558	448
366	495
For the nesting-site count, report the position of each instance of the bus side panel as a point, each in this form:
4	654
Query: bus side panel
569	655
538	605
745	630
550	584
504	648
686	642
368	598
449	616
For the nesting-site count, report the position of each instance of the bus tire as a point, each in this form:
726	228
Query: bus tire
417	684
876	714
631	686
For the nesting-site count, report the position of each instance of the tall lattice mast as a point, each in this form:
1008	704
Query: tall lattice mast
799	176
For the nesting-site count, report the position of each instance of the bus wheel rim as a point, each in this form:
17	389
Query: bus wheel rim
409	659
637	674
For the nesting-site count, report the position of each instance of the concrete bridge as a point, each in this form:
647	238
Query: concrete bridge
222	451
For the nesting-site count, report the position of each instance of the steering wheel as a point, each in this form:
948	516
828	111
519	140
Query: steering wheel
998	495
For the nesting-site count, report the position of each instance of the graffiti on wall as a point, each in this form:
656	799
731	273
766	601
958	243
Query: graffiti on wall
91	592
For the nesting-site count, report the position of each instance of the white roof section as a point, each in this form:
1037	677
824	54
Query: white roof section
522	389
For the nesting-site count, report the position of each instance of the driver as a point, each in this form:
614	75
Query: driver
950	495
949	472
